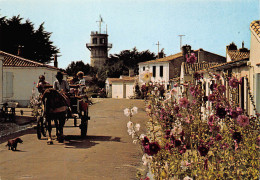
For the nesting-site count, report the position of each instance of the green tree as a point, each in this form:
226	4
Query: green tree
34	44
77	66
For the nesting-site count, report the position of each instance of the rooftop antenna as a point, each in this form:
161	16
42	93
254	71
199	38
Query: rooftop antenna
158	44
180	40
100	21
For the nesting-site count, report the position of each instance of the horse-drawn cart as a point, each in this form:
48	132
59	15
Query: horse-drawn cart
77	110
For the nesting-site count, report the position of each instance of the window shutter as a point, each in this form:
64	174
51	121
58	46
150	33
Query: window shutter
7	84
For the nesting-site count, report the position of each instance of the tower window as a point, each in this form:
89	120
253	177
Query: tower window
144	68
94	40
102	40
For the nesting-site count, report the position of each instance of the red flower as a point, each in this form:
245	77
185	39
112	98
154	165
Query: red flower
233	82
183	102
203	150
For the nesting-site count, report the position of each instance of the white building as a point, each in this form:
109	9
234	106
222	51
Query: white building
20	76
122	87
166	68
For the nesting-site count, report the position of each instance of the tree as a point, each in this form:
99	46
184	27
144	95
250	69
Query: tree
34	44
77	66
119	64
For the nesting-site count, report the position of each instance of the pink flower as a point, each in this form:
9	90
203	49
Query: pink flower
243	120
192	59
183	102
221	88
212	97
233	82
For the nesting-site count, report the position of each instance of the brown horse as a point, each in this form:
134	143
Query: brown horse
55	108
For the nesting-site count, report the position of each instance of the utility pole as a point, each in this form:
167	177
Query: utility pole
181	40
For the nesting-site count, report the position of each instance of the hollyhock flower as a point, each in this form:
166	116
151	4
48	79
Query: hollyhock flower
233	82
142	136
177	143
221	112
134	110
183	149
154	148
145	141
168	146
237	136
130	125
176	109
233	114
239	110
185	165
173	91
137	127
127	112
218	137
187	178
203	150
212	97
221	88
243	120
167	134
183	102
217	76
176	85
146	159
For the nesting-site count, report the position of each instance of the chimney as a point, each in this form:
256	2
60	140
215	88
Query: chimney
131	73
186	50
19	50
55	60
160	55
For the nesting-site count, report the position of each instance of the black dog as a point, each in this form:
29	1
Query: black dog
12	143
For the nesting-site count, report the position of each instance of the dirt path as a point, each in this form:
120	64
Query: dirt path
106	153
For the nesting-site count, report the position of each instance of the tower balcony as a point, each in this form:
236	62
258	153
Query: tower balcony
91	45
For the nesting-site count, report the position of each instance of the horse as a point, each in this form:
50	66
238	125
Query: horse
55	108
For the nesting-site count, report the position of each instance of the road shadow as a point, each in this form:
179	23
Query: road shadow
76	141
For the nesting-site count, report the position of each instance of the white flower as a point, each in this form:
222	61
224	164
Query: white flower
142	136
137	127
156	88
134	110
146	159
134	141
131	132
127	112
146	76
130	125
187	178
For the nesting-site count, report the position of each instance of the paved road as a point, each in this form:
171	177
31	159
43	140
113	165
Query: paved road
106	153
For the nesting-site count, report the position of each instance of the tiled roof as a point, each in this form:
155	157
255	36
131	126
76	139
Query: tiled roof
197	66
237	55
228	64
255	26
122	79
11	60
165	59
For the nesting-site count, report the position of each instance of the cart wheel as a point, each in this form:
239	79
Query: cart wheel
75	121
39	127
84	126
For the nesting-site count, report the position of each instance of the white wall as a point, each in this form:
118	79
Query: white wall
157	78
25	79
117	90
129	90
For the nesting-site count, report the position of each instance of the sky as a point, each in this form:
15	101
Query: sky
207	24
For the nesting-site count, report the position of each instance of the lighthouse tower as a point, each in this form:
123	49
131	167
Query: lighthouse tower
98	47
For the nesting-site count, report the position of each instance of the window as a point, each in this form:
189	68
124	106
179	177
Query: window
161	71
94	40
144	68
102	40
154	71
